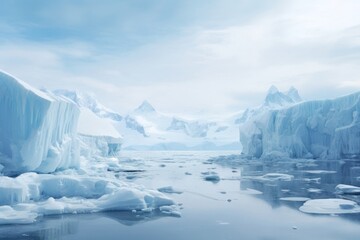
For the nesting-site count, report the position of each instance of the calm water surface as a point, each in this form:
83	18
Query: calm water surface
239	206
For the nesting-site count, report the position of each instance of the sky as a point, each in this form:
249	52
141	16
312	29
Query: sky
195	58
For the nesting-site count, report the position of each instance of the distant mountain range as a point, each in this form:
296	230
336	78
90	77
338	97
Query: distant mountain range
145	128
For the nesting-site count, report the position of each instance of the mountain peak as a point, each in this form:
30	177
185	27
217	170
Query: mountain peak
145	107
275	98
294	94
272	90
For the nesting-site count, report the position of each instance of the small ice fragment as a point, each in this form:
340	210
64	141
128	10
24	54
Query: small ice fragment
295	199
169	189
170	210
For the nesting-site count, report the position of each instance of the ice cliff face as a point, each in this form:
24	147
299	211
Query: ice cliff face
96	128
314	129
37	129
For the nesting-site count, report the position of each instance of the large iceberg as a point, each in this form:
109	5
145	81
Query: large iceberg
37	129
313	129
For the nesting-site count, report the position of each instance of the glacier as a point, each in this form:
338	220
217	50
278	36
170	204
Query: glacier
56	157
326	129
37	129
96	125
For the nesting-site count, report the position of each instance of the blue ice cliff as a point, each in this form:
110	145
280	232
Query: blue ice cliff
37	129
326	129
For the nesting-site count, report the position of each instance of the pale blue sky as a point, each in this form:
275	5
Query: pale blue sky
190	57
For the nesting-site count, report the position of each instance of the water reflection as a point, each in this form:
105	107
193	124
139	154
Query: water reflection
314	179
58	226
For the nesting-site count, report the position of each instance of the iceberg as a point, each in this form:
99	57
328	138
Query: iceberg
37	129
96	125
99	135
326	129
43	133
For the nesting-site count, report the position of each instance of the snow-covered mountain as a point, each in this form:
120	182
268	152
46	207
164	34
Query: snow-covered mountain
145	128
274	100
312	129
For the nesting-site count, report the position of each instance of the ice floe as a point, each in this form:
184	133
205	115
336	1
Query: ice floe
295	199
330	206
31	195
169	189
347	189
271	177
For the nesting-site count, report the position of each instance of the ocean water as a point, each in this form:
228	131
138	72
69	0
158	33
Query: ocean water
238	205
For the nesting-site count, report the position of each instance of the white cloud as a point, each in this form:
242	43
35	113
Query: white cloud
313	45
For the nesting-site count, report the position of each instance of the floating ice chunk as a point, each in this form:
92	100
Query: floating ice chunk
169	189
170	210
347	189
320	171
330	206
32	194
314	190
271	177
211	176
10	216
294	199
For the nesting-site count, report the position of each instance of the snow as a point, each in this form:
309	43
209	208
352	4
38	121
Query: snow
30	195
145	128
37	129
98	134
347	189
38	135
97	125
330	206
312	129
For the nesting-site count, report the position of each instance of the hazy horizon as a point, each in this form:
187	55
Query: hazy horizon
192	58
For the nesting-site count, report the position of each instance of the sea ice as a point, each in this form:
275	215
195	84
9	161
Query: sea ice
270	177
30	195
295	199
330	206
347	189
